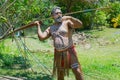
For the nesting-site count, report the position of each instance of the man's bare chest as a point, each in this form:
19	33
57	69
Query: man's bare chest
59	30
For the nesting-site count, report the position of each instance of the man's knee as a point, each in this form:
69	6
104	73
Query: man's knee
76	68
75	65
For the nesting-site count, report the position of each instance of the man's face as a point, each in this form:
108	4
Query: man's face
57	16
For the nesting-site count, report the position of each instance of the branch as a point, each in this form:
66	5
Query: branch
4	35
10	5
6	1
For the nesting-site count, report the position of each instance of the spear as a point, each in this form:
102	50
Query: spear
18	29
87	10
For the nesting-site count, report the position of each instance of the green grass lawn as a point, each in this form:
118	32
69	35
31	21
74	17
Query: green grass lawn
99	62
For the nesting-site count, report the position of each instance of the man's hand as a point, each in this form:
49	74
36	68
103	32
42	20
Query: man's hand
38	23
66	18
74	22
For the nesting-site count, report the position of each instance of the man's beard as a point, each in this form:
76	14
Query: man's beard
59	19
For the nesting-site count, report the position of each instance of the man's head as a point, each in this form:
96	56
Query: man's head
56	13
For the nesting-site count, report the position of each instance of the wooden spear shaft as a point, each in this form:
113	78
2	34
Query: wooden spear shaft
23	27
88	10
20	28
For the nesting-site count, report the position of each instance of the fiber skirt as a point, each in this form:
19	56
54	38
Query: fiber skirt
63	60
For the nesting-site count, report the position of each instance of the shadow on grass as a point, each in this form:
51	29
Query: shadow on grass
34	76
25	74
18	66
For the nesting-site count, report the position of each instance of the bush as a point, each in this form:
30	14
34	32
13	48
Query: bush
2	46
8	59
113	13
23	62
100	19
116	21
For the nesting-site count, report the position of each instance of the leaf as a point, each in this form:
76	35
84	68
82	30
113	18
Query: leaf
115	25
3	19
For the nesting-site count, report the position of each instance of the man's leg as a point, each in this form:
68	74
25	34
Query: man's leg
74	64
77	72
60	74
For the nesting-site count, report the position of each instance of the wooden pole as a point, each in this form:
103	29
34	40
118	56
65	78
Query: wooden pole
87	10
20	28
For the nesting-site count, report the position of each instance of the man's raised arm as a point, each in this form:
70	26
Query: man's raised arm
74	22
42	35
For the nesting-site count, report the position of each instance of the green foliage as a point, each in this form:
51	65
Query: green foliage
100	17
8	59
5	59
12	60
116	21
99	20
4	48
90	18
22	62
3	19
21	12
1	62
114	12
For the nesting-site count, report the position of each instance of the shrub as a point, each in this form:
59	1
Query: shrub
100	19
8	59
116	21
23	62
113	13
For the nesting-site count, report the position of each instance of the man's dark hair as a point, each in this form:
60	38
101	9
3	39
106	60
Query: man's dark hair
54	9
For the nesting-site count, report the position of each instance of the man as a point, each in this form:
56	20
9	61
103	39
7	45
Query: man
61	31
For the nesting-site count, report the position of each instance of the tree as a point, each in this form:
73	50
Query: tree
16	13
79	5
